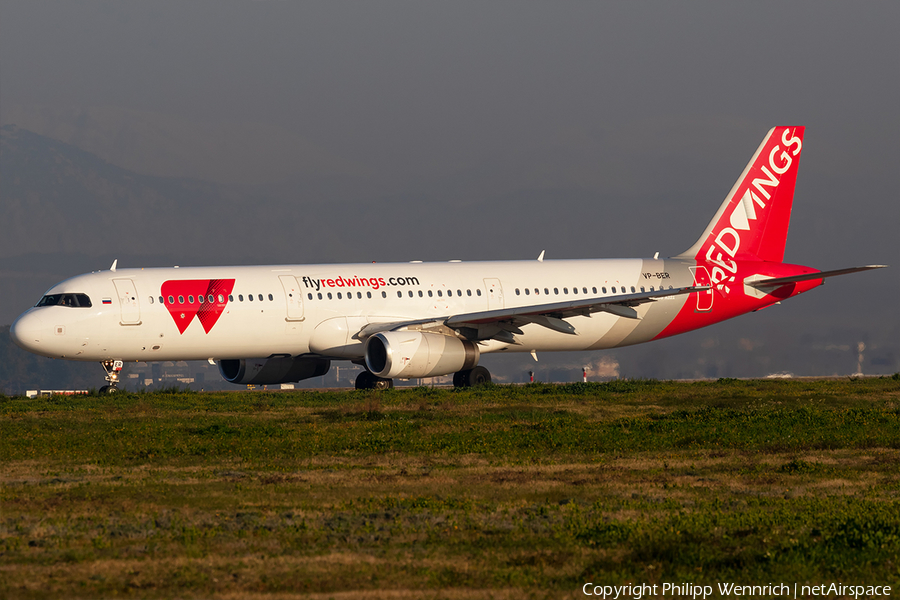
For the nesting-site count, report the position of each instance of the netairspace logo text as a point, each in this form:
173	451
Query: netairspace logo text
771	590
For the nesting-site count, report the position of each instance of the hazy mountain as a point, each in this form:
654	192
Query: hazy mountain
166	146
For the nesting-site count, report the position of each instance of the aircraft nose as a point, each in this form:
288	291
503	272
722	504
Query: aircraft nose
26	331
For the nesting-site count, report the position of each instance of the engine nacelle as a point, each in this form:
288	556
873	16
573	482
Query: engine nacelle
411	354
264	371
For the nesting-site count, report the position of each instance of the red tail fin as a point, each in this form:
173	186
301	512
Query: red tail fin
752	223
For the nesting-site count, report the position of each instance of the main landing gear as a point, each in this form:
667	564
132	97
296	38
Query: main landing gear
368	381
472	377
113	368
468	378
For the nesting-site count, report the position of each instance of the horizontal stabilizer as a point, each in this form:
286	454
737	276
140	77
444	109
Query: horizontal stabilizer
779	281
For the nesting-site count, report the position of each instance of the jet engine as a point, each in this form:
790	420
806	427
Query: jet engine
411	354
280	369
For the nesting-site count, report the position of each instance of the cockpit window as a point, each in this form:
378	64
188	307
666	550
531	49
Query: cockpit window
73	300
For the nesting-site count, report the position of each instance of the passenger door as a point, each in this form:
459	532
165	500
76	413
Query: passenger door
128	302
704	298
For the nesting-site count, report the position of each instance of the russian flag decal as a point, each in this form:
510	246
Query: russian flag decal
107	301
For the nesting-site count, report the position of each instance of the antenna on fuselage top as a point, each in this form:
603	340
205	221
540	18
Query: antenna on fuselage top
541	257
113	267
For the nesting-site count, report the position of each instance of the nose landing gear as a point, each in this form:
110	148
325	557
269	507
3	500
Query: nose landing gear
112	368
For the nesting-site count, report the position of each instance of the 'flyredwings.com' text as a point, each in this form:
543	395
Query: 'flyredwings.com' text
365	282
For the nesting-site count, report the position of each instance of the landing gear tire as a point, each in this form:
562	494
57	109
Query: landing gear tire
112	368
472	377
367	381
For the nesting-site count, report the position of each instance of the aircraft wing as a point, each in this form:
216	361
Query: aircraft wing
502	323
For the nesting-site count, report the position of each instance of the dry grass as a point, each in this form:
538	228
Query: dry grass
237	502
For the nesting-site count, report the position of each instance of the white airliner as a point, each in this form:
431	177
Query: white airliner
279	324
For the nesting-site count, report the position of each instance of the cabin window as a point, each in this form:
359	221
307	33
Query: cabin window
556	291
565	290
340	297
309	296
384	294
171	300
240	297
250	297
642	288
469	292
319	295
271	298
368	294
537	292
329	295
595	290
180	299
632	289
190	299
230	298
478	292
399	294
527	292
421	294
604	290
430	293
440	294
517	292
260	297
546	292
410	293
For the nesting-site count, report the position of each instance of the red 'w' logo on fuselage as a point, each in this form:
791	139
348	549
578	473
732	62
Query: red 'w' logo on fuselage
204	298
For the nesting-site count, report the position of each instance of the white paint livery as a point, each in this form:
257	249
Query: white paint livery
272	324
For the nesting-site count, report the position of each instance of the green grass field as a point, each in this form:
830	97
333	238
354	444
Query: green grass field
497	492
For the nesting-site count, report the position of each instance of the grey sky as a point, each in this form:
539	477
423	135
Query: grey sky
423	88
651	108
